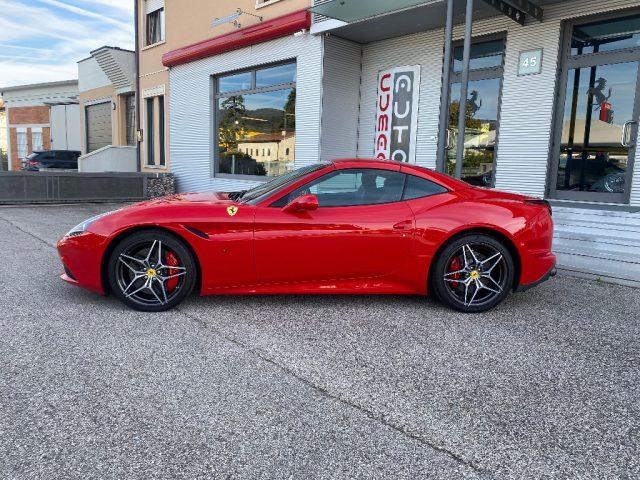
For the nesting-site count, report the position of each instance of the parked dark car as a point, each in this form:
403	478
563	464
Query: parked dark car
60	159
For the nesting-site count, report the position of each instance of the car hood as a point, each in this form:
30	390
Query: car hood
164	210
182	198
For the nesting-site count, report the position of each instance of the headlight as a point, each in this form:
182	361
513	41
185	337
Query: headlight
82	227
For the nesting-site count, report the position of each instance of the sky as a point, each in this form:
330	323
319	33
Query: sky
42	40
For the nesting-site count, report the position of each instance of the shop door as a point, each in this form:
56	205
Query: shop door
481	131
482	112
599	110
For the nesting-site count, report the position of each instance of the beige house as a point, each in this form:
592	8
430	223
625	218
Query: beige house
275	151
167	25
106	82
3	136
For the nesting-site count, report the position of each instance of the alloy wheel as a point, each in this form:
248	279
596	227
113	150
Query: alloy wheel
476	274
150	273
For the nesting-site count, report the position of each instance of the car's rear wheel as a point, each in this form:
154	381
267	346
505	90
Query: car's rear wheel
473	273
151	271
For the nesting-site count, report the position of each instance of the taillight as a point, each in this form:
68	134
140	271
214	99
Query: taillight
33	163
540	203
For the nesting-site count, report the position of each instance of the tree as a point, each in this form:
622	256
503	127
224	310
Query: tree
231	126
289	120
470	122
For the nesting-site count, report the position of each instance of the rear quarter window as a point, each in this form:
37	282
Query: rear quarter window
417	187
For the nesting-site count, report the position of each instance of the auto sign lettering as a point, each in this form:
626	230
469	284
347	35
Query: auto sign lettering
397	113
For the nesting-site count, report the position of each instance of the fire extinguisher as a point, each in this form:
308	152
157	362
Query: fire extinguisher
606	112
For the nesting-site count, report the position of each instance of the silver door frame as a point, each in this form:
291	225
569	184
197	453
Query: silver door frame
569	62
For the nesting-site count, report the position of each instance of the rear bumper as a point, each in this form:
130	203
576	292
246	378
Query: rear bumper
551	273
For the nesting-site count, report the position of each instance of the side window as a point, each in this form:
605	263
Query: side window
420	187
351	188
47	157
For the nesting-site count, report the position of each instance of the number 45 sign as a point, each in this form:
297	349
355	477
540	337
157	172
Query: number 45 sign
530	62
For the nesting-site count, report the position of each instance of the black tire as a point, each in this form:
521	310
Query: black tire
151	271
478	282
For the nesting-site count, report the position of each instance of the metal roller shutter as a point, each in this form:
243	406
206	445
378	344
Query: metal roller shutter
153	5
98	126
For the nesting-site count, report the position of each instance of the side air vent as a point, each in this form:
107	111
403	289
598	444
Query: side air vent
197	232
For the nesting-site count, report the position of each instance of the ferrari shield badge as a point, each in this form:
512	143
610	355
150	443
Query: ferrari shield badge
232	210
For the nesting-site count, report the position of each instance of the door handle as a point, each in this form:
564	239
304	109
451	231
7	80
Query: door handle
626	141
406	225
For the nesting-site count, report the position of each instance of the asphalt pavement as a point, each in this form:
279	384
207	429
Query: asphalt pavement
545	386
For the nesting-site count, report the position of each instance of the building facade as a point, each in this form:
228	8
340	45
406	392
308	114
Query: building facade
107	113
551	109
165	26
30	111
3	137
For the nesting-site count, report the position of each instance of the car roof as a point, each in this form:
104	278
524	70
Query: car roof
409	168
342	162
46	151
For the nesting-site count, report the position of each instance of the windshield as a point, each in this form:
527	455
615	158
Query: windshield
257	193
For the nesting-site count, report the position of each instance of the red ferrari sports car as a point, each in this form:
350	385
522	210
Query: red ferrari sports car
348	226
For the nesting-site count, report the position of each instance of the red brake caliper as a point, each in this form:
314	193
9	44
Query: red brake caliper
454	267
172	261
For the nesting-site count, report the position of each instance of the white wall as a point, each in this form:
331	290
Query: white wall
528	102
109	159
599	242
341	100
3	131
40	94
527	111
126	61
65	127
424	49
191	104
91	76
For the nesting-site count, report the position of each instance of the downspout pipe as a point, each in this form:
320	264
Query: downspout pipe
443	137
136	22
464	88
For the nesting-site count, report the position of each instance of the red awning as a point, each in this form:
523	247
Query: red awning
262	32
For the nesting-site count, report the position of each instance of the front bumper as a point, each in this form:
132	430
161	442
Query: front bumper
81	257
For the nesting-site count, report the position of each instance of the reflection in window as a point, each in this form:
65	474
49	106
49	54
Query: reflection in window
483	55
276	75
234	83
606	35
480	132
599	101
256	128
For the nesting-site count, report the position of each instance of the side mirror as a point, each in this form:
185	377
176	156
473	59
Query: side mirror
304	203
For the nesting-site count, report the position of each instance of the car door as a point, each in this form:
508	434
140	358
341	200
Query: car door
73	159
361	229
47	160
69	160
61	160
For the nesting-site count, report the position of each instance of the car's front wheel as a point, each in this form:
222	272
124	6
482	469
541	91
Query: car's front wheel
151	271
473	273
